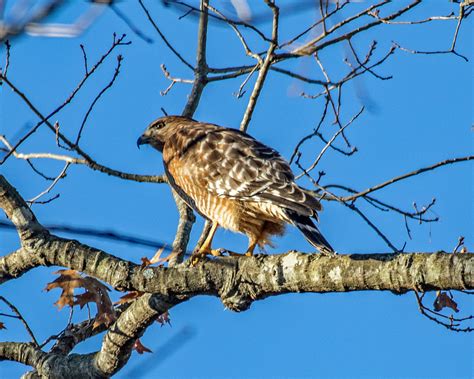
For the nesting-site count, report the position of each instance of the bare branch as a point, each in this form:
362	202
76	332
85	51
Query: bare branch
453	323
201	70
185	224
17	210
105	234
265	66
129	23
173	80
163	37
21	318
233	279
311	47
407	175
329	143
99	95
45	119
61	175
93	165
186	215
89	161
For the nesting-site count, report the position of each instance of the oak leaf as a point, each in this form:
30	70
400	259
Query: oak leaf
444	301
164	318
68	280
128	297
98	293
157	258
140	348
95	292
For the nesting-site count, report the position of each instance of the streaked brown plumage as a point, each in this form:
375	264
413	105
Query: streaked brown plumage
233	180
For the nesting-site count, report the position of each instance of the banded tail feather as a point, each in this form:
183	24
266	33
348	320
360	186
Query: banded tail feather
310	231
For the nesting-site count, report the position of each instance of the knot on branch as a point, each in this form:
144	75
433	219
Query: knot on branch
235	292
252	278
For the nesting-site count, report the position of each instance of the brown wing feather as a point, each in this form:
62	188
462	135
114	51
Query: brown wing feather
233	164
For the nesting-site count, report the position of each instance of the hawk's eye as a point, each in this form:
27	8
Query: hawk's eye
159	124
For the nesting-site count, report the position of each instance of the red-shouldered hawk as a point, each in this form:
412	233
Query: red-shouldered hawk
234	181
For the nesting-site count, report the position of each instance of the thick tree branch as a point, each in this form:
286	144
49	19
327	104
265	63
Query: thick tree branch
118	341
21	352
238	280
17	210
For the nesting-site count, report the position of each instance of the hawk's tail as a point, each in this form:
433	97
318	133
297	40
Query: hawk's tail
310	231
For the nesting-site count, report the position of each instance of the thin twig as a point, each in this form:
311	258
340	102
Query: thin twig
173	80
330	142
408	175
315	131
99	95
88	160
427	313
20	317
129	23
7	57
163	37
61	175
44	119
372	225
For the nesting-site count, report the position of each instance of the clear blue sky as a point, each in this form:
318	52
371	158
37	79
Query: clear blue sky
421	116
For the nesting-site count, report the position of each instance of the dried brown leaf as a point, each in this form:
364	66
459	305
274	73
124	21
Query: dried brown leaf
2	326
156	257
444	301
95	292
128	297
145	262
168	258
84	298
140	348
105	309
164	318
68	280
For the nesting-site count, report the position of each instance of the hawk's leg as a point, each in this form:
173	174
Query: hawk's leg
251	248
206	249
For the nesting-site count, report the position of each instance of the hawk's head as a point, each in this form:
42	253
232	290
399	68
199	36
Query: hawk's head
158	132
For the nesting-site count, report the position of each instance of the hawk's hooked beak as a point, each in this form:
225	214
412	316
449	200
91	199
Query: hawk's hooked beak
142	140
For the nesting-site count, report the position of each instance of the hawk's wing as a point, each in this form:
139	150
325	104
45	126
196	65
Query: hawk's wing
238	166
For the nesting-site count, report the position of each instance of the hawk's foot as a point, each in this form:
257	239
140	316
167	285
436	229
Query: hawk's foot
233	254
202	253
